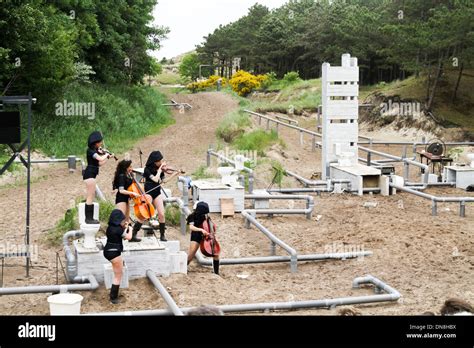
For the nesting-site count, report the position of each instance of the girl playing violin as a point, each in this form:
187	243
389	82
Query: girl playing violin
154	174
195	221
122	181
95	158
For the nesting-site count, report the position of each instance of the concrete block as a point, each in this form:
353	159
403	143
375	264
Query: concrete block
384	185
172	245
109	276
261	203
432	178
179	262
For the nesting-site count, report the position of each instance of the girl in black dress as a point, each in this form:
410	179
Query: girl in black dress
117	230
122	181
154	174
95	159
195	222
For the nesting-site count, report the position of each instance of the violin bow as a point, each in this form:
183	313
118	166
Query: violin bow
140	153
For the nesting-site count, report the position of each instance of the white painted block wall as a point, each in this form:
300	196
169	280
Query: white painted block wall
340	115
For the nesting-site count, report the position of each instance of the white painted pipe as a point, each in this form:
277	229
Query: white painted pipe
166	296
424	167
308	211
391	295
91	285
275	259
308	182
293	255
436	199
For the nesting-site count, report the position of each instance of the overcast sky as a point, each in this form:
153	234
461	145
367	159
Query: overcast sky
190	20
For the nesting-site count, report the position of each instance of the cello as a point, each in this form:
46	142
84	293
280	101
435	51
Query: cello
209	245
143	207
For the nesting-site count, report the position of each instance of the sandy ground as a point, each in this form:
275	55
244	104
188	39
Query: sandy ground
427	259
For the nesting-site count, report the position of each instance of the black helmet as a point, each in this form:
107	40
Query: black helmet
154	157
202	208
95	137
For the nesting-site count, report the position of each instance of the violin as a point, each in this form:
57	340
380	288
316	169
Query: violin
143	204
104	151
169	170
209	245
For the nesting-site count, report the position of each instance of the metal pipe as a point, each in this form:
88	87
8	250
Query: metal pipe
269	119
289	120
211	152
71	261
283	123
379	285
99	194
466	143
407	183
425	168
309	204
57	160
293	255
417	186
36	289
166	296
391	295
308	182
276	259
437	199
184	182
377	162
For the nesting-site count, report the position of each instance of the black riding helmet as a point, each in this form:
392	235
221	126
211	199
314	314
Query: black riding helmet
155	156
95	137
116	217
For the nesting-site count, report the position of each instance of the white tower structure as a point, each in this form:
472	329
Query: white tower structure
340	110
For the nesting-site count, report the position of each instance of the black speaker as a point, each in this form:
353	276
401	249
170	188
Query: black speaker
10	127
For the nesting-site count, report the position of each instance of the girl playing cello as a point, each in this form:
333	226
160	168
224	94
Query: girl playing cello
122	181
196	221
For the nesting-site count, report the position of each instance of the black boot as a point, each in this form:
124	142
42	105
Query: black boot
215	264
89	210
162	232
136	228
114	291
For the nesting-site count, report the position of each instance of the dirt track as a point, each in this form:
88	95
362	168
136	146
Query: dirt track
427	259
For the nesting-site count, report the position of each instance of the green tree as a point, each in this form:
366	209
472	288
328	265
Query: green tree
189	67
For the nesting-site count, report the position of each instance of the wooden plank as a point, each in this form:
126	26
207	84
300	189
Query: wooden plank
227	206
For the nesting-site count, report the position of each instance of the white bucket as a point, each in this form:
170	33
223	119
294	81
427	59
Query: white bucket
65	304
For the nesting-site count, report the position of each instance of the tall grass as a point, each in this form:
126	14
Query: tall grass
258	140
172	214
233	125
202	173
124	114
169	78
294	97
